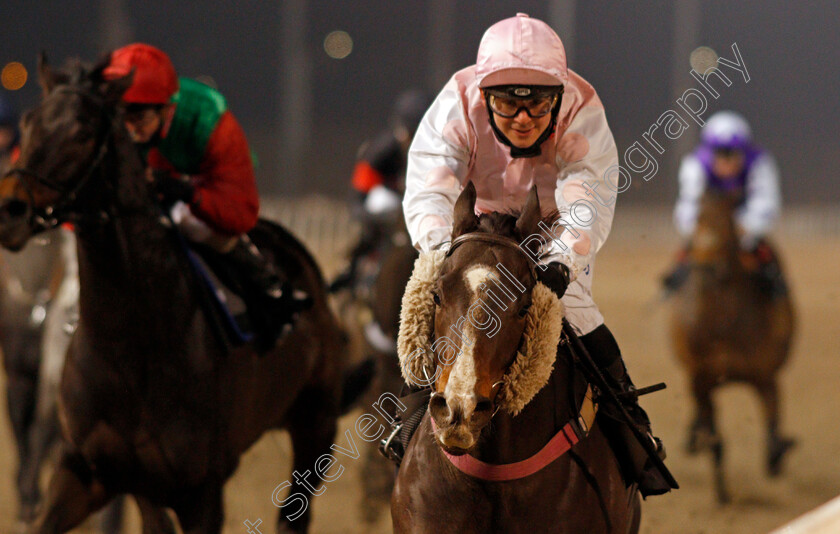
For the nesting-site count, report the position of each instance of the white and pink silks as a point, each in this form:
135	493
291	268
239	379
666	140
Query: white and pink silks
575	173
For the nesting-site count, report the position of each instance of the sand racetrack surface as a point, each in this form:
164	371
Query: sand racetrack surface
627	272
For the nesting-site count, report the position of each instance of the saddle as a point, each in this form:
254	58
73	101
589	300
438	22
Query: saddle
228	300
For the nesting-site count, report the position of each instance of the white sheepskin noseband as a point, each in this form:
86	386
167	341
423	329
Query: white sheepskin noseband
533	364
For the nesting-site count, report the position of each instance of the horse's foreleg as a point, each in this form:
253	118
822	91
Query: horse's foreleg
703	432
20	397
74	493
155	518
201	511
312	427
777	445
111	517
44	434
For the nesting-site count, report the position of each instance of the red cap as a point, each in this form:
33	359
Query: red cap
155	80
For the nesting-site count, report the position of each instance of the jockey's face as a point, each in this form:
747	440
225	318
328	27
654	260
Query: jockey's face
728	164
522	130
144	122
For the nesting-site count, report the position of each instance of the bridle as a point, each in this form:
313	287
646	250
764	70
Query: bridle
49	217
494	239
504	241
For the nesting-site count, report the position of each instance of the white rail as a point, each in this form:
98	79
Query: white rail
824	519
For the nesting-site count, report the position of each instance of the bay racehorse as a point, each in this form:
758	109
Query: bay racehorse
725	328
153	402
508	444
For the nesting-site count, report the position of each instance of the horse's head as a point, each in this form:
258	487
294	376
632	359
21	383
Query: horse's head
63	143
715	236
482	297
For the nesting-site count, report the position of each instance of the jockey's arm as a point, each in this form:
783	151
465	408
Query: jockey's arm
763	200
226	190
438	161
692	178
586	191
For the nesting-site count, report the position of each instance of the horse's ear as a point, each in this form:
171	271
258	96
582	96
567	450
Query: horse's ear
100	66
529	220
111	90
46	76
465	218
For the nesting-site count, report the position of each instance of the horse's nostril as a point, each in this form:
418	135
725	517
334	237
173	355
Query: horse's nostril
437	401
438	407
483	406
15	208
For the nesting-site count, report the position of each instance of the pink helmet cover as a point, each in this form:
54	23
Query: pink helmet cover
521	51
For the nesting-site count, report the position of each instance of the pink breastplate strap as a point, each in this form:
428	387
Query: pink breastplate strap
557	447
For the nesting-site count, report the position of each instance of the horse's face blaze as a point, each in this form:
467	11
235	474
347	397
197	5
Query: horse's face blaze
479	319
476	338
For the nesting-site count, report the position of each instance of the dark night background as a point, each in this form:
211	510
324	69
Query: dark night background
626	50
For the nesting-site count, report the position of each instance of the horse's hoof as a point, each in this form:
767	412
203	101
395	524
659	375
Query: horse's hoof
776	450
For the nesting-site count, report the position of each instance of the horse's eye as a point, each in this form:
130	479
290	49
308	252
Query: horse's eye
436	297
524	310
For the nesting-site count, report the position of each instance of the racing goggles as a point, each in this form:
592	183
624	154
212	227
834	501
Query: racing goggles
509	101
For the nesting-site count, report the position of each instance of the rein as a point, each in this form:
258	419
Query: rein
51	216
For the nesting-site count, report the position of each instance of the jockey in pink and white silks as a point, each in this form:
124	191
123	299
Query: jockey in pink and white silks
515	119
728	161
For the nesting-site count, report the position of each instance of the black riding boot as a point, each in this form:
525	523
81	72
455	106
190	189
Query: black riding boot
618	371
604	350
677	276
369	239
769	273
271	300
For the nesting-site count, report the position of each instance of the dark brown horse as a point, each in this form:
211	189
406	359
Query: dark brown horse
725	328
152	402
501	484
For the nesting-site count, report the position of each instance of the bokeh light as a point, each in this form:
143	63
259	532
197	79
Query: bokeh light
702	59
338	44
13	76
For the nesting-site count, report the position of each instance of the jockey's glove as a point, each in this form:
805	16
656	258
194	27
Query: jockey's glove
171	189
555	277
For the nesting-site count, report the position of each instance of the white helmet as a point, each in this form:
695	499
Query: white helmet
727	129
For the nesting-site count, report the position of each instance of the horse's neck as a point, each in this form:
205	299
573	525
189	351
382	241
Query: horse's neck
130	274
512	439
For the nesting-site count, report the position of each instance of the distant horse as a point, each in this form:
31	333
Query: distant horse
152	401
385	302
28	282
504	447
369	306
726	328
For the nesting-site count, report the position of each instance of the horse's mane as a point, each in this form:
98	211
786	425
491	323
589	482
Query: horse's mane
504	223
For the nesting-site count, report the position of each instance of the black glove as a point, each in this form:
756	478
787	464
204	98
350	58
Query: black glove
171	189
555	277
